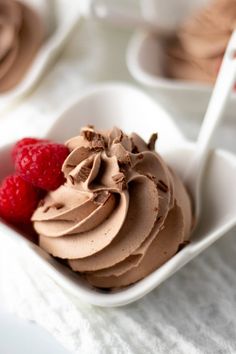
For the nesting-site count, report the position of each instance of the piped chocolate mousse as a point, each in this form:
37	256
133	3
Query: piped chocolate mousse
123	213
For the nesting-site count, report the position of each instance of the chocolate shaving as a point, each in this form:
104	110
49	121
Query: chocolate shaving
135	149
57	206
119	138
41	203
101	198
152	141
46	209
98	145
83	173
71	178
123	168
124	160
96	139
140	156
70	166
120	180
91	135
148	175
162	186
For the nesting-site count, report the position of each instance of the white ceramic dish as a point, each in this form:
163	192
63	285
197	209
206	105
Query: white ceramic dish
127	107
145	57
60	20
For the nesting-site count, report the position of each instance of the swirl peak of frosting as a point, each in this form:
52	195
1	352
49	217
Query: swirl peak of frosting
121	213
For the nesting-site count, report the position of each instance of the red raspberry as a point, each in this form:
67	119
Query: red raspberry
41	164
24	142
18	199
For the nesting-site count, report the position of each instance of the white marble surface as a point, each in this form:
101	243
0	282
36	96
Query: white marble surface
192	312
20	337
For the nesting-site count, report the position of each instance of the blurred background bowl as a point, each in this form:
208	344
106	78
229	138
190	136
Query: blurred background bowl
145	61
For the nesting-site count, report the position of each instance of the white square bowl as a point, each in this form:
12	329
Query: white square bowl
130	109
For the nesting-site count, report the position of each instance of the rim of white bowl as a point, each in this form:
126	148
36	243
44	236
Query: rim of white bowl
111	86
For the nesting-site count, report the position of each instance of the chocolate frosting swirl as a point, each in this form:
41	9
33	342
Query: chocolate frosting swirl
196	52
120	215
21	34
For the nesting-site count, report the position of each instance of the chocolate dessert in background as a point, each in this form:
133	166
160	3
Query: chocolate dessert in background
21	35
196	52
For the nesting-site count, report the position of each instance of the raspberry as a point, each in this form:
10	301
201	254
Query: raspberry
41	164
23	142
18	199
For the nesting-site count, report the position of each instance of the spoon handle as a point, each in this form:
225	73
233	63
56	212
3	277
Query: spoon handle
214	114
216	107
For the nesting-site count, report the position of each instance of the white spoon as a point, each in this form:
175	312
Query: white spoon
213	116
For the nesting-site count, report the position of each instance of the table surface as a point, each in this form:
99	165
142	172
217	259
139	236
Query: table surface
19	337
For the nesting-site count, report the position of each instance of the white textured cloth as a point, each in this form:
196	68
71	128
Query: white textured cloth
193	312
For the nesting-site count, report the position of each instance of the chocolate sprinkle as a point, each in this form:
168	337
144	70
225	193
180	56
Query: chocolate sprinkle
101	198
83	173
162	186
46	209
96	139
98	145
135	149
148	175
152	141
71	178
41	203
57	206
70	166
119	179
140	156
119	138
89	135
125	160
